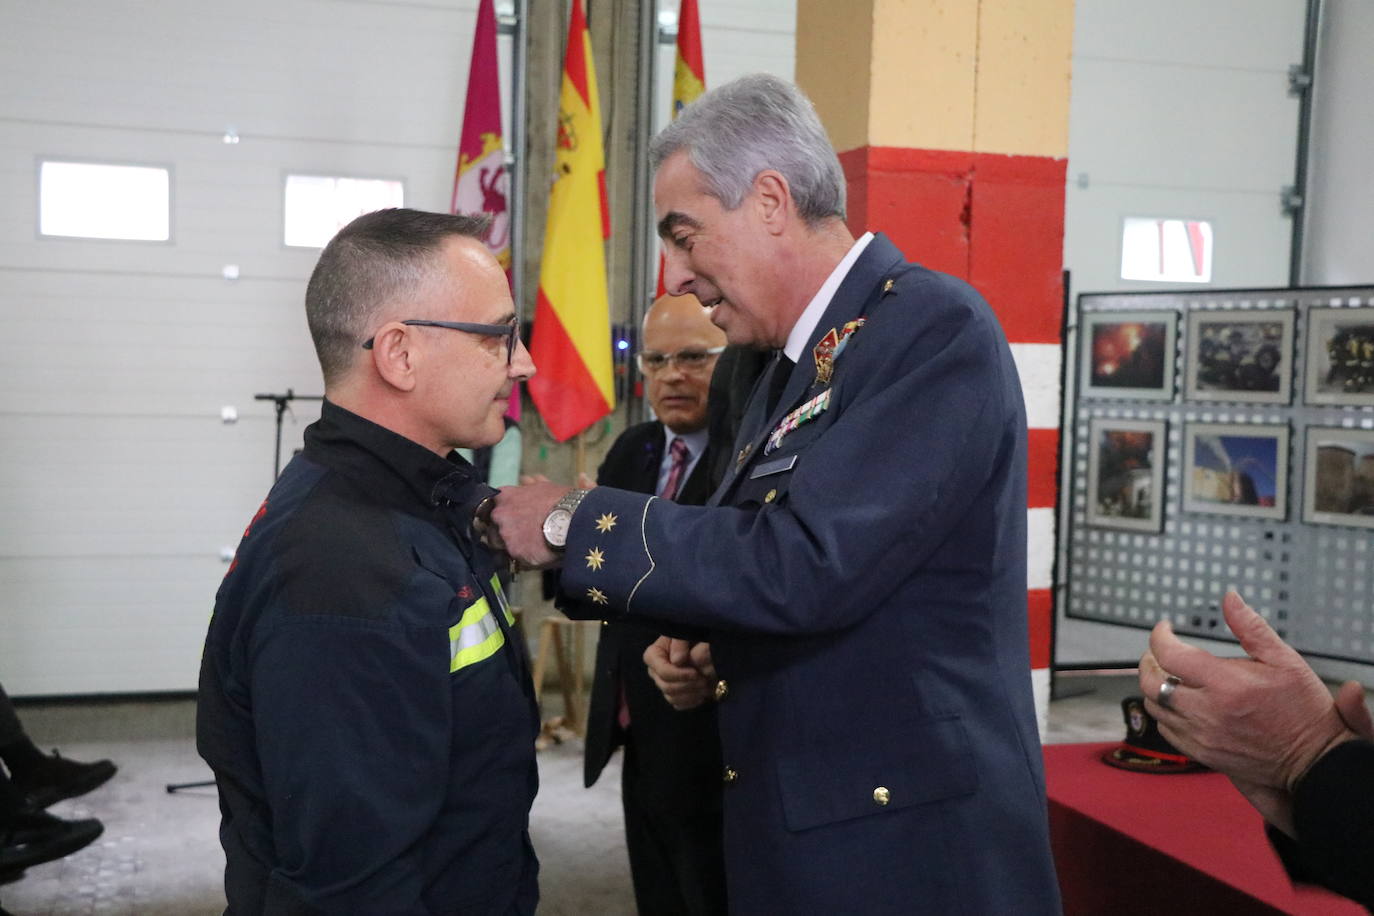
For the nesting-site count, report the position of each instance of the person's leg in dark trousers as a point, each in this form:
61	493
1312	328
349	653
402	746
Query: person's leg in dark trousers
676	857
43	778
30	837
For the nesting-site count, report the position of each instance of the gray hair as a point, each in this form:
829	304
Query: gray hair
757	122
373	261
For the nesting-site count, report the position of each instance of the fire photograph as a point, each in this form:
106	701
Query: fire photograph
1129	355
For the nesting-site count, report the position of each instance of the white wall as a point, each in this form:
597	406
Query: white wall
1339	244
119	485
1179	109
1184	139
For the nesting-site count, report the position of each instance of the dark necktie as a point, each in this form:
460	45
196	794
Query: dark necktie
679	452
782	371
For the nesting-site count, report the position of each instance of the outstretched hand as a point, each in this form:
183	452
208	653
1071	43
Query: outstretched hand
1263	720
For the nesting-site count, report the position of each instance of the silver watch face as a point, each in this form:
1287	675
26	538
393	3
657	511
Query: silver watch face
556	527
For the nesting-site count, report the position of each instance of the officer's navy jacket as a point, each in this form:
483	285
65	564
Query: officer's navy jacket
861	576
365	702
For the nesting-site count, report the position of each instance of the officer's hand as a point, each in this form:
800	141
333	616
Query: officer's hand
519	521
701	660
682	684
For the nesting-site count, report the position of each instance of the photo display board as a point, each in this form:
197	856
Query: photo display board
1225	439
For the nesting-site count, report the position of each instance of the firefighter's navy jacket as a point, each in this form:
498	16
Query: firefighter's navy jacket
365	701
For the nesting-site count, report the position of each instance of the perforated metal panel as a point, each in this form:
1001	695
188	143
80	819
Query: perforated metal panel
1313	581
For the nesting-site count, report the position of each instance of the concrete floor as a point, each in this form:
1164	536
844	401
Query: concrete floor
160	854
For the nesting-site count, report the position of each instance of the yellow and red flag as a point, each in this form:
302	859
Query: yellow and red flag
571	338
481	183
689	75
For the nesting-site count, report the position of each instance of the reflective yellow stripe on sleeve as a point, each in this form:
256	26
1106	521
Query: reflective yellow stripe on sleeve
501	597
475	637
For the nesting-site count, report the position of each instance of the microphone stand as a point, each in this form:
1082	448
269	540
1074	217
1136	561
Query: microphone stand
279	401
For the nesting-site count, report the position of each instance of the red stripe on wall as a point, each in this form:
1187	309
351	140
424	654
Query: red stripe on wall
918	198
1039	614
1042	481
563	390
996	221
1016	254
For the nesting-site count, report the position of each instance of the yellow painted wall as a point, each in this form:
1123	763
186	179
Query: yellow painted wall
978	75
1024	53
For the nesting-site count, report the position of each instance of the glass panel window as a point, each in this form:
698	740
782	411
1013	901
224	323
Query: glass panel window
317	206
99	201
1166	250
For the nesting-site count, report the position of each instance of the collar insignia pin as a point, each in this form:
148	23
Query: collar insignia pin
824	354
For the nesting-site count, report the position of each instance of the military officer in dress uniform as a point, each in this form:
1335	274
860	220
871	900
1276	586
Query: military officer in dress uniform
860	574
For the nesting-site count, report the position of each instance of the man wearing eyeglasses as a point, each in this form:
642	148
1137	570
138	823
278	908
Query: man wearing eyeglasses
365	700
670	785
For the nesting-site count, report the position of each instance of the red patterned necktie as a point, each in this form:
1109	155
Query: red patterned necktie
679	453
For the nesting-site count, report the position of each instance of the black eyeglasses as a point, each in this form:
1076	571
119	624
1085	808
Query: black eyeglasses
686	360
510	330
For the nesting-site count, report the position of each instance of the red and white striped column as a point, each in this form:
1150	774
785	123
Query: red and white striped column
952	119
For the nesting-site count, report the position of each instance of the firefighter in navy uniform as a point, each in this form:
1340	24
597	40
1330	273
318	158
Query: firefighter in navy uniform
365	700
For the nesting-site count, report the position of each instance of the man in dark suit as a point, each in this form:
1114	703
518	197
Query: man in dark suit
671	787
861	571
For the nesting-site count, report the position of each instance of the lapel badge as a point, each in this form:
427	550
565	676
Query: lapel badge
887	285
824	353
841	341
803	414
744	455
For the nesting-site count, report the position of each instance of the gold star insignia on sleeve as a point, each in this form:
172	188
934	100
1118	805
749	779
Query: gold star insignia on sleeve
595	557
597	596
606	522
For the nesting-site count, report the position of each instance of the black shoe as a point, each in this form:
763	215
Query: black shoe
58	778
34	837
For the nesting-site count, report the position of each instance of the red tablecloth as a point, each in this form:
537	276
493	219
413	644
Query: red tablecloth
1146	843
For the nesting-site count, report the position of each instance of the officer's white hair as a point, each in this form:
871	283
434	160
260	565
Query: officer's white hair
751	124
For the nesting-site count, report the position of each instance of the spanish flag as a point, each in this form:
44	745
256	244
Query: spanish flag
571	338
689	75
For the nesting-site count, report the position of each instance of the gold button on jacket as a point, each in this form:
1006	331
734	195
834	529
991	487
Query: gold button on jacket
881	795
729	776
722	690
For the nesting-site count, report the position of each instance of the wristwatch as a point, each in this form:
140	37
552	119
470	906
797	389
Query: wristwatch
560	517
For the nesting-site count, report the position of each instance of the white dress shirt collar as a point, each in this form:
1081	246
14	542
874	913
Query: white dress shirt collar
811	316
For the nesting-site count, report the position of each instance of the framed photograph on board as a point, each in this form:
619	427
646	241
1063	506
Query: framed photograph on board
1236	469
1128	355
1340	356
1244	356
1339	489
1126	474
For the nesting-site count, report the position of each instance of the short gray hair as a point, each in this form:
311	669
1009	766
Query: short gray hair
751	124
370	263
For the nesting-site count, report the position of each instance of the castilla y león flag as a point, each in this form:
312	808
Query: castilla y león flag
689	75
571	338
480	182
